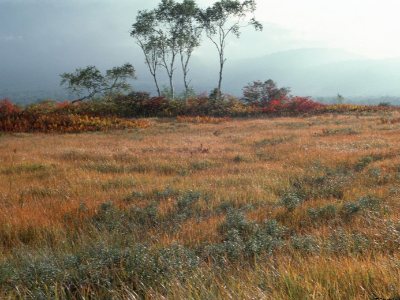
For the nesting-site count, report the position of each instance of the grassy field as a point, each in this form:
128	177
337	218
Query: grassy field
284	208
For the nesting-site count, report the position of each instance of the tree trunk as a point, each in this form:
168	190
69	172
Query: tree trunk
171	85
221	65
156	82
185	72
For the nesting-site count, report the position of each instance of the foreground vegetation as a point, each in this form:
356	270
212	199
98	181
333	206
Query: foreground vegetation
282	208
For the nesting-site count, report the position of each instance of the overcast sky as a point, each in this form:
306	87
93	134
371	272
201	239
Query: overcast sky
58	36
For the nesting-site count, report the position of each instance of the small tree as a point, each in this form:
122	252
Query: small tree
227	17
340	99
262	93
91	82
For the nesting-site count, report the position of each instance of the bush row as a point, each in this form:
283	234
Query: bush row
61	118
54	116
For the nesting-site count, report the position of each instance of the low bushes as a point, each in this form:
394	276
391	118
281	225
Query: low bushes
53	116
62	117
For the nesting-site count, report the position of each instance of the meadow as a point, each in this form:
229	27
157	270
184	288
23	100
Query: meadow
243	208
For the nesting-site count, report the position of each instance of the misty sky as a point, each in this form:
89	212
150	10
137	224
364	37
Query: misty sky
51	37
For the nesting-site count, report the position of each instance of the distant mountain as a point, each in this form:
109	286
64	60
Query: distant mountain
302	58
314	72
354	78
318	72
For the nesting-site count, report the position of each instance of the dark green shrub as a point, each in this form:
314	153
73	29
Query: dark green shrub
265	238
370	203
349	209
108	217
290	201
144	216
321	214
233	245
236	221
374	172
363	162
341	242
139	104
239	158
304	243
242	238
186	204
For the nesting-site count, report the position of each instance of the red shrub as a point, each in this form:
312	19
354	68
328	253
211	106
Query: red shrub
302	105
285	105
8	109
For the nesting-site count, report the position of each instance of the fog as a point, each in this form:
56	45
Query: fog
315	47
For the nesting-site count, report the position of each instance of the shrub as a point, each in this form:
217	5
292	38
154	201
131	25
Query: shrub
144	216
350	208
370	203
186	204
200	106
324	213
263	93
304	244
302	105
290	201
111	218
363	162
139	104
236	221
242	238
341	242
8	109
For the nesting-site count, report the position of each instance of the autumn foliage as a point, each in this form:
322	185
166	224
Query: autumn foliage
59	118
64	117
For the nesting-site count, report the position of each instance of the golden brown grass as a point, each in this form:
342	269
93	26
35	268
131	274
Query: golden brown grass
250	165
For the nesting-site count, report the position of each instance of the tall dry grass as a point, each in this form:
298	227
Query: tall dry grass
330	182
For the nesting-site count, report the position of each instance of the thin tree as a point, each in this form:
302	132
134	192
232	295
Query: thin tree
155	32
170	30
189	36
227	17
143	31
168	34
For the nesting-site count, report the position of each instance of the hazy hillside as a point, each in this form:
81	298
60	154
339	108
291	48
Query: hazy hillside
320	72
354	78
315	72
